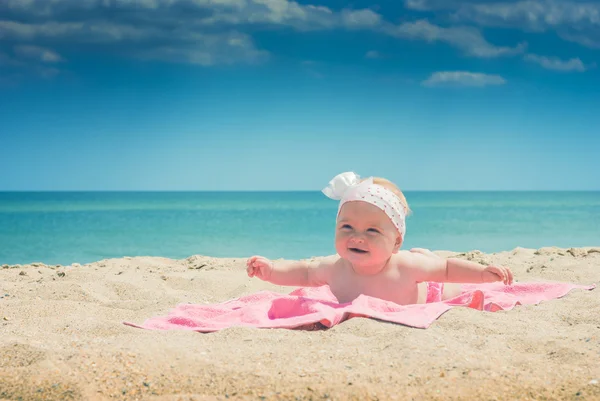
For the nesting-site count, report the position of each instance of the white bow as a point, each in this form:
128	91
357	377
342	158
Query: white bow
340	183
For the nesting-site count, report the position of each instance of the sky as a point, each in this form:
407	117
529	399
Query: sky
283	95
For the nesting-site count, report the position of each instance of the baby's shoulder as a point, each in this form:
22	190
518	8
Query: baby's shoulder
325	261
323	268
406	261
403	259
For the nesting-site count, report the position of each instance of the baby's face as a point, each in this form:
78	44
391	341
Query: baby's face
364	235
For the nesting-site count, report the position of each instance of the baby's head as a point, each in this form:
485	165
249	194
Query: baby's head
393	188
371	218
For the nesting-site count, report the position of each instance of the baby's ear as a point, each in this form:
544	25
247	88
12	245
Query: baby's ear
398	244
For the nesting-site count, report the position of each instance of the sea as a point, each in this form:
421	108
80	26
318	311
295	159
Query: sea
83	227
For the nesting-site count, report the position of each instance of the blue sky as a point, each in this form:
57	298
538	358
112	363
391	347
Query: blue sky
283	95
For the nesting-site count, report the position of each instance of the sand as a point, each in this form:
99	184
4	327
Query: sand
62	338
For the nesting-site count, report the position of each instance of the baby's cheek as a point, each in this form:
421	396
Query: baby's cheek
340	235
338	238
381	243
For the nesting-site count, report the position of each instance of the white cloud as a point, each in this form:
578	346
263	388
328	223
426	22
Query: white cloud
178	45
292	14
422	5
280	12
590	39
188	31
468	39
38	53
554	63
534	14
14	66
211	50
372	54
199	31
576	21
81	32
360	18
463	78
198	12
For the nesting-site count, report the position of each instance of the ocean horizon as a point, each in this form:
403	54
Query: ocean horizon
64	227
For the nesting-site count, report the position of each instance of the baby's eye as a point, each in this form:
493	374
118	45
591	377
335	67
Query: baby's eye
346	226
373	230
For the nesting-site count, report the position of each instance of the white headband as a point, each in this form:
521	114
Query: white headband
347	187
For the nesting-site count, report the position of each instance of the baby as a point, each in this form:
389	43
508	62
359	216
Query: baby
369	232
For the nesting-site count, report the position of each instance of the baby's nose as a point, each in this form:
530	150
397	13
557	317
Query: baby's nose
358	239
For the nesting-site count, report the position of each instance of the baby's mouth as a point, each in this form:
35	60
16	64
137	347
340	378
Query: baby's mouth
357	250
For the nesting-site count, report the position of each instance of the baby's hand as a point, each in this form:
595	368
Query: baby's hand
497	273
258	266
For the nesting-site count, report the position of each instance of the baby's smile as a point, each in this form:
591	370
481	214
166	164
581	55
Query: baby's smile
357	250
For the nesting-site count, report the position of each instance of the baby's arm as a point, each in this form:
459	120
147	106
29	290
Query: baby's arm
454	270
298	273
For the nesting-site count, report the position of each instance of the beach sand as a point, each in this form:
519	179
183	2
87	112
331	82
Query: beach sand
62	338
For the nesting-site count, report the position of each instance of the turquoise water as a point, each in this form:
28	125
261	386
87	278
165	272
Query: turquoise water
82	227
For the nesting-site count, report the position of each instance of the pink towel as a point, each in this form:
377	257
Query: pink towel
315	308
